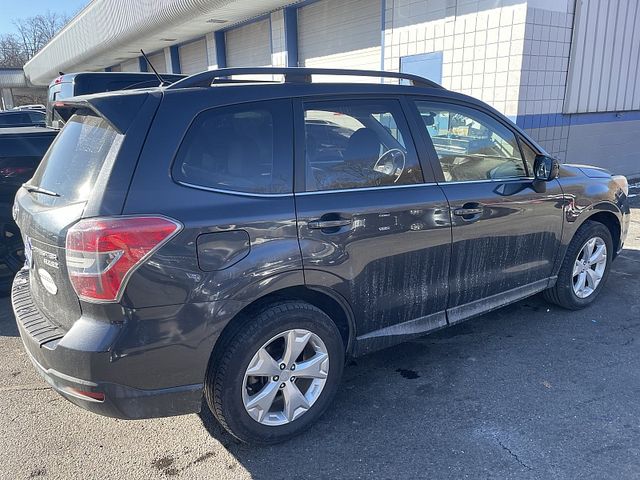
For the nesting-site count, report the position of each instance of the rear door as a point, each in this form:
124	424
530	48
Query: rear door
370	228
53	200
505	232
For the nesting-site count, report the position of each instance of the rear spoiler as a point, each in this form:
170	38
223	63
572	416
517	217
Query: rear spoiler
118	110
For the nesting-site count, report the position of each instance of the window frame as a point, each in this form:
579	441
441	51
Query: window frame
281	110
433	155
428	177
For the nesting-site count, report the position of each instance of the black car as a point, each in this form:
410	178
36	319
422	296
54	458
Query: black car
83	83
22	118
240	240
21	150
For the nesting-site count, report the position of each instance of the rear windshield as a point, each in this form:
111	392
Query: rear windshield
72	164
16	118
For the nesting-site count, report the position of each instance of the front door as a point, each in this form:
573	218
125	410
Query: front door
505	233
368	224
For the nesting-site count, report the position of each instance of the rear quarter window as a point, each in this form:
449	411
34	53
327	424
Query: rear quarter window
241	148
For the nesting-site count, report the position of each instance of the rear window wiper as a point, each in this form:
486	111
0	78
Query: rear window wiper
33	188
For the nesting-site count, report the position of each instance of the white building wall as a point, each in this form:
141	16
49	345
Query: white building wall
340	34
544	74
212	61
482	48
278	46
167	59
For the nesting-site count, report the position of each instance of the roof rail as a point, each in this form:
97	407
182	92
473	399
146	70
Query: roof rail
292	75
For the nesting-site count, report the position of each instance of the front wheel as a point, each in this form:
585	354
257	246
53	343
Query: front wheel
585	267
277	375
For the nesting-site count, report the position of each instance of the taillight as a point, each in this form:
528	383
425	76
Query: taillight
102	253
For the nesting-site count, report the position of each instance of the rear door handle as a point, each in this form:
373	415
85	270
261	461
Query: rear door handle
321	224
462	212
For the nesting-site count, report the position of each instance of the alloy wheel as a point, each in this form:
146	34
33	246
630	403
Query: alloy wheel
589	267
285	377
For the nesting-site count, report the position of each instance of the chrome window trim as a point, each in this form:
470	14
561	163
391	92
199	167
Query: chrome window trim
345	190
366	189
233	192
488	180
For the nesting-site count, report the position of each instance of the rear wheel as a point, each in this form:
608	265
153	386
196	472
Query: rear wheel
11	253
278	374
585	267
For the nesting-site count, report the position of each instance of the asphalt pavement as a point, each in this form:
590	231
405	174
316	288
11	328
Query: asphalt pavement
528	391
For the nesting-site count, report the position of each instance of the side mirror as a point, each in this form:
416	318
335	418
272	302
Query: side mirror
545	168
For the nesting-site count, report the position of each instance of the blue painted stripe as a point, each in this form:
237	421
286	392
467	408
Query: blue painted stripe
142	63
175	58
546	120
291	36
221	48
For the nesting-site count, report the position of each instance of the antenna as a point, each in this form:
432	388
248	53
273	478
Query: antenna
163	82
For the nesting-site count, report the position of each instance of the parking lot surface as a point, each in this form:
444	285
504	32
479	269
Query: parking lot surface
528	391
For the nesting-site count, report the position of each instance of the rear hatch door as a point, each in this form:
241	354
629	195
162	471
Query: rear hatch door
54	199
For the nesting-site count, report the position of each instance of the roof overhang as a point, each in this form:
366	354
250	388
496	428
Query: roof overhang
107	32
13	78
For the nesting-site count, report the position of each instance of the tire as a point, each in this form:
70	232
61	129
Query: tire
563	292
228	389
11	253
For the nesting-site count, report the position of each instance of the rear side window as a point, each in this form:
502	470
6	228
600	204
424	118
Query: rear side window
358	144
242	148
72	164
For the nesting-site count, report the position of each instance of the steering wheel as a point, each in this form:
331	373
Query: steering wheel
391	163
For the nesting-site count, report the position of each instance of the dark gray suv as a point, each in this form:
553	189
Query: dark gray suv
239	238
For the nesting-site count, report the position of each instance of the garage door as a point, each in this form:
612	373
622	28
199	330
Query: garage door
340	34
249	45
130	66
158	61
193	57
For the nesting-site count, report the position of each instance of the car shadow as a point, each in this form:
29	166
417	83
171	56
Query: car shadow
8	327
495	396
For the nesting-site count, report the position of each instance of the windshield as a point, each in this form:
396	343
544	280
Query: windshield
72	164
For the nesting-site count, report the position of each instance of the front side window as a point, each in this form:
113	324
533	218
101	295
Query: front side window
241	148
470	144
357	144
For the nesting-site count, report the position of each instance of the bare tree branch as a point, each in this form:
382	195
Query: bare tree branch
33	33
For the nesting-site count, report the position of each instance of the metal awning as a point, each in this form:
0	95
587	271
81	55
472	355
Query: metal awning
13	78
107	32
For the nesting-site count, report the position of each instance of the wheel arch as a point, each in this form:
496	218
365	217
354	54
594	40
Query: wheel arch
330	302
611	221
606	213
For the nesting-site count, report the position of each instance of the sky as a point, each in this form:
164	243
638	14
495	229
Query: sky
15	9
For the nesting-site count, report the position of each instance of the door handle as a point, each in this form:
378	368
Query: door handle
321	224
462	212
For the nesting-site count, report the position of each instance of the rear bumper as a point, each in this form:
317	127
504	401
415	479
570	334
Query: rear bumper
90	360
